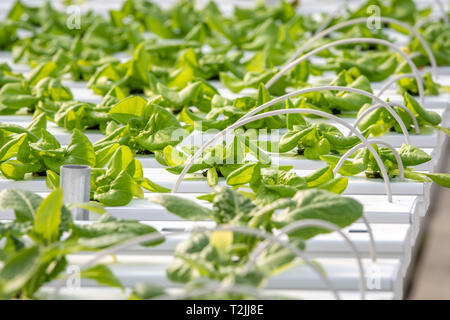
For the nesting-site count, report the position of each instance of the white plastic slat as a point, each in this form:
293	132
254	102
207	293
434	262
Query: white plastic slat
429	137
104	293
297	161
342	272
403	210
292	159
377	210
391	241
300	162
197	183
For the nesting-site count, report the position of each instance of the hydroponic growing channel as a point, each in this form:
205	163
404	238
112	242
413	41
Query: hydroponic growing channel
218	150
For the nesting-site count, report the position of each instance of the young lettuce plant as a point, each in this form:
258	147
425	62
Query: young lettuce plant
223	255
15	96
8	76
133	74
179	85
273	183
82	115
312	140
81	61
267	182
143	126
122	180
225	112
338	102
409	85
411	156
218	161
40	86
375	66
348	101
209	65
380	121
8	34
259	69
52	35
437	34
251	79
33	150
76	115
36	245
183	16
198	94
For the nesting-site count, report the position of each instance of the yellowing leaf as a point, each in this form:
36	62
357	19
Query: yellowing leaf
221	240
128	108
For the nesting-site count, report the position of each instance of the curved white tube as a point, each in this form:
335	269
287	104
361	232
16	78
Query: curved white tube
392	81
156	237
239	123
414	55
327	88
330	18
443	11
364	20
289	66
323	224
362	145
392	104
